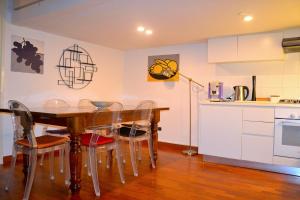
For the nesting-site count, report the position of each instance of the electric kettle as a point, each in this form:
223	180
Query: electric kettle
240	92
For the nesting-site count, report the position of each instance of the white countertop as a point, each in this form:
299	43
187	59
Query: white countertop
250	103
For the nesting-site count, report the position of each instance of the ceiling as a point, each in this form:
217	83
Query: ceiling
113	23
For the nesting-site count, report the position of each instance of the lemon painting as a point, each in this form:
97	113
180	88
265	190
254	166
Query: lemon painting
163	68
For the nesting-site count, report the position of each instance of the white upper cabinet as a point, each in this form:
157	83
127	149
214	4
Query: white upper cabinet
222	49
254	47
260	47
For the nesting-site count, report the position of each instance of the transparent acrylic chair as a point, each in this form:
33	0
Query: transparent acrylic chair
56	104
24	141
95	140
56	131
86	104
139	131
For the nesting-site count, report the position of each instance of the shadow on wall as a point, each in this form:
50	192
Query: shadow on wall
251	68
169	84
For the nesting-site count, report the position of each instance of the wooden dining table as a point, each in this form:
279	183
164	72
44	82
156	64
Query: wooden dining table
76	120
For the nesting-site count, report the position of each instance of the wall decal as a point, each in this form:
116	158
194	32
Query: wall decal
163	68
27	55
76	67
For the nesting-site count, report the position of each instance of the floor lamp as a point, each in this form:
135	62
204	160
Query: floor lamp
190	151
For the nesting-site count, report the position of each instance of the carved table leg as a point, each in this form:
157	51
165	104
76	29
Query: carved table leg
27	130
25	166
75	127
154	127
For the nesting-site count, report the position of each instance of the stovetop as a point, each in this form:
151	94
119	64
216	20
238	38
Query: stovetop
290	101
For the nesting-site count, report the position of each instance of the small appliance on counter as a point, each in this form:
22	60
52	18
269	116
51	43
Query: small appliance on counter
241	93
215	91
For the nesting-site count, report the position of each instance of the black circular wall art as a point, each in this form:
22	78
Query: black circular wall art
76	67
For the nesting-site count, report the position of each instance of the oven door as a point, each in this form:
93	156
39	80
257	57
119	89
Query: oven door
287	138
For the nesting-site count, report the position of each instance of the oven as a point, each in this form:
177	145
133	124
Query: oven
287	132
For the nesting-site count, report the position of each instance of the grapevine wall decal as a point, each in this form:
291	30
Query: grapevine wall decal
27	55
76	67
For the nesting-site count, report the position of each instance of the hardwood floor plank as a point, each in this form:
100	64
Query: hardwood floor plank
176	177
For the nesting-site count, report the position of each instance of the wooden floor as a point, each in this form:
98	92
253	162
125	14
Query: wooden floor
176	177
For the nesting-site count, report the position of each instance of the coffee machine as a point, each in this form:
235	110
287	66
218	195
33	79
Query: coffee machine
215	91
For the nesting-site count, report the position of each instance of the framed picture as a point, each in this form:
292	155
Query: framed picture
27	55
163	67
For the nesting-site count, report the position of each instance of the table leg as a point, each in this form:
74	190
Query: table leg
27	130
25	166
154	128
75	128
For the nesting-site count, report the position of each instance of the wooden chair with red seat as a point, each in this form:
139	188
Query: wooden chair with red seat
25	142
93	141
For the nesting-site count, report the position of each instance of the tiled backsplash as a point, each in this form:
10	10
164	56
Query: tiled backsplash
272	78
286	84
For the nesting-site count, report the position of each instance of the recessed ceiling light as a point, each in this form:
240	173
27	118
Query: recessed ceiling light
148	32
140	29
248	18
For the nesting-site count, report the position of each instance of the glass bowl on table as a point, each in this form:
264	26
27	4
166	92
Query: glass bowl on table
102	104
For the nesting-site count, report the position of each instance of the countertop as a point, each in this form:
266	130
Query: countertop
249	103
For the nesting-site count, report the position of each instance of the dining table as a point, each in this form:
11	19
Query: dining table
77	120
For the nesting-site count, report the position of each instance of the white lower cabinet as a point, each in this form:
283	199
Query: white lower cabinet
220	131
237	132
257	148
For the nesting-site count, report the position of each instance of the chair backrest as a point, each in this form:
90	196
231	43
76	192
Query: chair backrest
143	113
22	122
111	115
85	103
56	103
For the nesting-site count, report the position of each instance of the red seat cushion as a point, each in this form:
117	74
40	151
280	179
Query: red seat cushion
85	139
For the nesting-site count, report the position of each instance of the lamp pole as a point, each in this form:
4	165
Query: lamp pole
190	151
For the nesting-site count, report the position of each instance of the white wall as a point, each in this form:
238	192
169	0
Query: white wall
36	88
193	63
278	77
33	89
2	6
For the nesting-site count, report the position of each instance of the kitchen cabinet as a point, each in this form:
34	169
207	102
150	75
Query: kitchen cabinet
258	114
260	47
222	49
220	131
237	132
257	148
244	131
258	134
258	128
243	48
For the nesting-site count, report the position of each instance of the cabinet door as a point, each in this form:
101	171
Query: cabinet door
258	114
257	148
258	128
222	49
220	131
263	46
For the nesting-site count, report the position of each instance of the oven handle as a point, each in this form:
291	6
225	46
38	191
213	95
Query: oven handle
291	123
